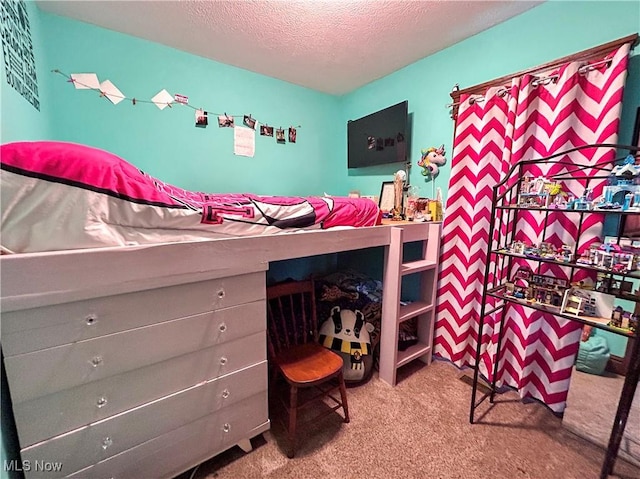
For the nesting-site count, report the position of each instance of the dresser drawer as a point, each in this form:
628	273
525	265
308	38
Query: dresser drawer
48	416
40	328
96	442
51	370
168	455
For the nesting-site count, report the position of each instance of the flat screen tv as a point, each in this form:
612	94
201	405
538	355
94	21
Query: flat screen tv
379	138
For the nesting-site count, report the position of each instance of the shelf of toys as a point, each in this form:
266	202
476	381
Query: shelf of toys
622	193
565	270
616	269
617	264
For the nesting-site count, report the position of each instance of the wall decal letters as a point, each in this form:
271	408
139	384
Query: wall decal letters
17	50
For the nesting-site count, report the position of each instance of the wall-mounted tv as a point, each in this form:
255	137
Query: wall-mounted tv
379	138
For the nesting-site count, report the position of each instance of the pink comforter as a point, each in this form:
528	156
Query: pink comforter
64	196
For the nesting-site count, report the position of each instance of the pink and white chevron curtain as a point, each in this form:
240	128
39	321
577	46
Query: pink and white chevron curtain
532	117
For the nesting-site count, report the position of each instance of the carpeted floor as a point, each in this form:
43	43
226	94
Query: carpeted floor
420	429
591	409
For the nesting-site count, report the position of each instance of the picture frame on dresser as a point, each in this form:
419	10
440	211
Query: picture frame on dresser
386	201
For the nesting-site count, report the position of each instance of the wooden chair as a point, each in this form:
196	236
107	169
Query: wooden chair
295	354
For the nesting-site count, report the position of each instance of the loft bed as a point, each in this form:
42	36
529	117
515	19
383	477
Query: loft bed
130	350
78	210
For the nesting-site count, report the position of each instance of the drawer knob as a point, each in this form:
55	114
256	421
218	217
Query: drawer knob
106	442
225	394
102	401
226	427
221	294
96	361
91	319
223	360
223	328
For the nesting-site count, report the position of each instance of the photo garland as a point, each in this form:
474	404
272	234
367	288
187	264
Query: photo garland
266	130
201	119
163	99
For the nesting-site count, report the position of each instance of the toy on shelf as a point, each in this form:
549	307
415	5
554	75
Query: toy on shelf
543	250
590	303
544	290
607	284
608	256
548	290
583	203
565	254
541	193
623	191
612	257
585	283
398	186
518	247
578	303
623	319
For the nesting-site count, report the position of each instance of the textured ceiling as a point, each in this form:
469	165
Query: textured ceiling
333	46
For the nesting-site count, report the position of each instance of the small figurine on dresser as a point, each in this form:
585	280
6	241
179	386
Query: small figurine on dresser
398	188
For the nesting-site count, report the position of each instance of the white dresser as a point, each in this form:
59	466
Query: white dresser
144	361
143	383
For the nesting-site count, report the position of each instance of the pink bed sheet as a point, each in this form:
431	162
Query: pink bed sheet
58	195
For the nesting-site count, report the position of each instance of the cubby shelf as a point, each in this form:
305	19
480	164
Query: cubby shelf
417	266
414	309
412	352
422	308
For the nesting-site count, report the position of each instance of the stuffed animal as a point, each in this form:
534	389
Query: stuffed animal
347	333
431	158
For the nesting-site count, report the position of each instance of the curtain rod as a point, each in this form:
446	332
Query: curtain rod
584	55
583	70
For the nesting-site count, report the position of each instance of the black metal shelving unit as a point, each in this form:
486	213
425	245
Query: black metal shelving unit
500	263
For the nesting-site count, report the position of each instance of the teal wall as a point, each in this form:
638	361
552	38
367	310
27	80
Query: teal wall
20	120
549	31
168	146
617	344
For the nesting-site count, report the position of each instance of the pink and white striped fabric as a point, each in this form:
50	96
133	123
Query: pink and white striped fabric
526	119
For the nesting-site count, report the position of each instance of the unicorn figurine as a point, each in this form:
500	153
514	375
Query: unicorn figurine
431	158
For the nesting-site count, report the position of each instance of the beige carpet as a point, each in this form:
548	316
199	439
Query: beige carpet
591	409
420	429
